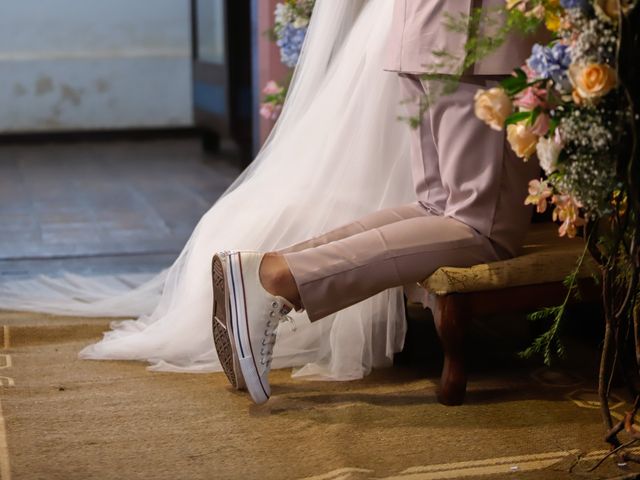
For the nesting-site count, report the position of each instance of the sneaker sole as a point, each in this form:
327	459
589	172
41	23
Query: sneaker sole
222	336
239	325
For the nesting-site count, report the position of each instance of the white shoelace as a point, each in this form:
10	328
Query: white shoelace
277	316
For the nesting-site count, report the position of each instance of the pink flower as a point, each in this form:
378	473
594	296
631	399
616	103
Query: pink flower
541	125
539	192
270	111
531	98
272	88
568	212
557	137
531	75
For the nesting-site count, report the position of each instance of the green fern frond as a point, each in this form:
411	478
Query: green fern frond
549	343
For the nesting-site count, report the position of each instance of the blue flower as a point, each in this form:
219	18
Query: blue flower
290	40
566	4
550	62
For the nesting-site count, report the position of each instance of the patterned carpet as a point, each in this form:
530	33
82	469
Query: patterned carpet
63	418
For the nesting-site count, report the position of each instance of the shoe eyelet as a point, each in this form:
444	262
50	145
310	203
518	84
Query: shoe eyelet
272	314
274	304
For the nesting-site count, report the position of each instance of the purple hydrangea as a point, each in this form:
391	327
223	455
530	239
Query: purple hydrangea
290	41
550	62
582	4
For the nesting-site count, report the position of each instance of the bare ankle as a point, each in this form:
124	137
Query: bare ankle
277	279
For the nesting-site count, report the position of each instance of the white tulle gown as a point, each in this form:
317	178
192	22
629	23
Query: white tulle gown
338	152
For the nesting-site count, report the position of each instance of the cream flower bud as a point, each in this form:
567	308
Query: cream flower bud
522	140
493	106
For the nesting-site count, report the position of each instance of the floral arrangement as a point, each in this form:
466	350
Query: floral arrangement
574	105
274	95
561	106
291	23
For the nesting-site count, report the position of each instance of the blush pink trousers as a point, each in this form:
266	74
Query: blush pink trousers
388	248
403	245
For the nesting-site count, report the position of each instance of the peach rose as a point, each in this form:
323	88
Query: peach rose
592	80
522	140
493	106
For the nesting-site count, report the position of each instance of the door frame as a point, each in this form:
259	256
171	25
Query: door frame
210	80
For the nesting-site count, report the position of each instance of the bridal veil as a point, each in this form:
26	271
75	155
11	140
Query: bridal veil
337	152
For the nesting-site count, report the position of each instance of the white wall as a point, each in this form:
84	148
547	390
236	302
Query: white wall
93	64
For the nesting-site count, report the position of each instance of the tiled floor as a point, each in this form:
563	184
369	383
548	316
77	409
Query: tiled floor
103	206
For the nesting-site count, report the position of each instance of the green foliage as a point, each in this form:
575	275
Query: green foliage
500	24
518	117
489	29
549	344
442	85
517	83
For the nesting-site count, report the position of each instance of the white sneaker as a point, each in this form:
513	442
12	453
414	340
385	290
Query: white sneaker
251	320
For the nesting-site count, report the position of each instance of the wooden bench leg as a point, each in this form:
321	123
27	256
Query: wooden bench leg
451	315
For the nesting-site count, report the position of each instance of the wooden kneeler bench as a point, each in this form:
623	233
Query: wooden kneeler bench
522	284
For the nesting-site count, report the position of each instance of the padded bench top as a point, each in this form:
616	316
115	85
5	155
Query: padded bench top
546	258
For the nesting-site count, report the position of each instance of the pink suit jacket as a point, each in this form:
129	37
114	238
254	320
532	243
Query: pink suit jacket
418	33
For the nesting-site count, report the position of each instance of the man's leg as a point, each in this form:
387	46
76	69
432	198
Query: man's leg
275	273
332	273
335	275
486	184
372	220
249	304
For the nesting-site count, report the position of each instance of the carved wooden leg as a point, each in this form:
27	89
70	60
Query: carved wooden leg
451	315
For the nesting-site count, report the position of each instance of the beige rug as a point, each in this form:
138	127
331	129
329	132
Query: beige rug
63	418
